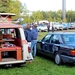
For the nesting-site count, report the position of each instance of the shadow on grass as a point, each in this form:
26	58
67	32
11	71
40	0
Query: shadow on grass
69	65
8	66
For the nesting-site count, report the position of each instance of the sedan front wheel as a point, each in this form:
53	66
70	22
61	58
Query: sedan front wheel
57	58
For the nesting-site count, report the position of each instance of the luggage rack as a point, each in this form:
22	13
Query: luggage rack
6	17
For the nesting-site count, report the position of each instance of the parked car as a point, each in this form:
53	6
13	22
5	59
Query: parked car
71	26
14	48
58	26
39	28
42	28
58	45
74	26
65	26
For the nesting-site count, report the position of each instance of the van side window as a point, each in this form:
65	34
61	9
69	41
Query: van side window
17	33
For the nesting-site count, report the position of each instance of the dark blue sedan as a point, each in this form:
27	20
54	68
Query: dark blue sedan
59	45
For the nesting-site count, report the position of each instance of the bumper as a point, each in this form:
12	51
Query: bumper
12	62
15	62
67	59
31	60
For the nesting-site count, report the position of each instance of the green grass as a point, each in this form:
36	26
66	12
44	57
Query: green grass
40	66
41	35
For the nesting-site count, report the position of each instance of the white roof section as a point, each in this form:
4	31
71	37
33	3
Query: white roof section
7	14
43	21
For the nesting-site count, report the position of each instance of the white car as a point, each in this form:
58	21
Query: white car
42	28
58	27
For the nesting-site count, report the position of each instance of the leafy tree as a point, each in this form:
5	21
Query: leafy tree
16	7
37	16
12	6
4	5
69	16
59	15
27	19
45	15
23	9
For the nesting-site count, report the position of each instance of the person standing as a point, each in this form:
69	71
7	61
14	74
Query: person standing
52	27
28	35
48	27
34	40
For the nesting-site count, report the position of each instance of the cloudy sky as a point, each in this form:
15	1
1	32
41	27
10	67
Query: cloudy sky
45	5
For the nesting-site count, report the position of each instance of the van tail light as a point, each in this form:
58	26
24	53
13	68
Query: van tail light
72	52
29	49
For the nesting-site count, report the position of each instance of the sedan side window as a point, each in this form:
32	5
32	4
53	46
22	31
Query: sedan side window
69	38
54	39
46	38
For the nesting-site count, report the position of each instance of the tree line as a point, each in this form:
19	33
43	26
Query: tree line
12	6
55	16
16	7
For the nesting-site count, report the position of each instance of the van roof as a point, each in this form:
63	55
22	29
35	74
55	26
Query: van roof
9	25
7	14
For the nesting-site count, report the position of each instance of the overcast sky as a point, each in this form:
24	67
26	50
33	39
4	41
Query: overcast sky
46	5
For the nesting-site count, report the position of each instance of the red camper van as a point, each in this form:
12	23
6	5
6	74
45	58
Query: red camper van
14	48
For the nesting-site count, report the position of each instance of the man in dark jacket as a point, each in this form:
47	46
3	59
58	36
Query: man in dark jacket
34	40
52	27
48	27
28	34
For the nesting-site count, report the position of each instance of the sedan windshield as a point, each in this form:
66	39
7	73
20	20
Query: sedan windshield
69	38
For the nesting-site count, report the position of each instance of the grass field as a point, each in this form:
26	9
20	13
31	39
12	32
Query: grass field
40	66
